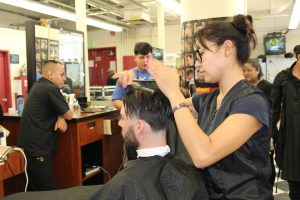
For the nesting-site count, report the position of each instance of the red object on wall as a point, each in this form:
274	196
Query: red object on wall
128	62
5	88
100	59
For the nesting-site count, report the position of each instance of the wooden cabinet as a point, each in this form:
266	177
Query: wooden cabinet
83	143
90	131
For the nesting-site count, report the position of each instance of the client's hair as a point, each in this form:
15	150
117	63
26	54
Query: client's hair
154	108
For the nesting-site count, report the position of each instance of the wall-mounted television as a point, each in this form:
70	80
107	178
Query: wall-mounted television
158	53
274	44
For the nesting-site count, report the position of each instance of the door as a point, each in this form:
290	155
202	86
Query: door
101	60
5	90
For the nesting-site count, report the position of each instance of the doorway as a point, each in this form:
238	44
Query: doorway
100	61
5	87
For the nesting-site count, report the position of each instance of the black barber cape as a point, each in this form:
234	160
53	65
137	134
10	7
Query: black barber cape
244	174
155	178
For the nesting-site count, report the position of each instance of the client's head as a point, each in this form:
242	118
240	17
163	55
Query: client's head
144	119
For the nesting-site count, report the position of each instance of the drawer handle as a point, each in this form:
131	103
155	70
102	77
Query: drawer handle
91	125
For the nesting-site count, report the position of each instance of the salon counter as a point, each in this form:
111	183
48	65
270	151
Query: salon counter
92	139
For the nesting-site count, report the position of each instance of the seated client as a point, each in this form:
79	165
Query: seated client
156	174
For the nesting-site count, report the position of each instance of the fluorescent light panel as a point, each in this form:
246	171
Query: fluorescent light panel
56	12
295	18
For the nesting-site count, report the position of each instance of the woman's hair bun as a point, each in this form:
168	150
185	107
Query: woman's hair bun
243	24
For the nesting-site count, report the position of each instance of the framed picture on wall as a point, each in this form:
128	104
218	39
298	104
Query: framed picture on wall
38	56
189	29
54	50
14	58
44	55
37	44
44	44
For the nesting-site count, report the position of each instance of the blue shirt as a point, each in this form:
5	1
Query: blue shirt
120	92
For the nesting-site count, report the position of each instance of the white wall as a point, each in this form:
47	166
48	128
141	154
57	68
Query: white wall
125	41
15	42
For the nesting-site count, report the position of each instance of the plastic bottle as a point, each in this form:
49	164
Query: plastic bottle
71	102
20	103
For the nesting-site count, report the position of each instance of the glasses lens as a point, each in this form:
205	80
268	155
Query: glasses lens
197	56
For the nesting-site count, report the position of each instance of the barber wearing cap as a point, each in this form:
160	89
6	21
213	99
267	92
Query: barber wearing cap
285	95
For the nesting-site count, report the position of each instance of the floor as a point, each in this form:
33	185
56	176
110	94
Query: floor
282	189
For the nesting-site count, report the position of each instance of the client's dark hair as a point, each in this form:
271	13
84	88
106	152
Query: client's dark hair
239	31
154	108
142	48
256	65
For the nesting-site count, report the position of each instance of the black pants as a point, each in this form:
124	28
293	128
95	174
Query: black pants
40	174
294	187
273	172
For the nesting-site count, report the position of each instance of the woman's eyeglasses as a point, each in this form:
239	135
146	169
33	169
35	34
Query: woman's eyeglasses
199	52
198	55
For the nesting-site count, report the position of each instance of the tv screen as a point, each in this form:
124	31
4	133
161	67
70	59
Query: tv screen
158	53
274	45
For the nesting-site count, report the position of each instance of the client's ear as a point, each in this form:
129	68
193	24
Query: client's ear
139	127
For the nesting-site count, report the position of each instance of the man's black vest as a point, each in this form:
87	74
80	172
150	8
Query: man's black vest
243	174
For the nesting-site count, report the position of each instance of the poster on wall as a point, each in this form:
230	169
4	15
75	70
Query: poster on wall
41	49
44	44
54	50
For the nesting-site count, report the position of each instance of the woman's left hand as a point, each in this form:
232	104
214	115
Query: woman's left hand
166	77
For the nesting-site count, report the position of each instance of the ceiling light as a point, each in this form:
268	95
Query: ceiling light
295	18
171	5
56	12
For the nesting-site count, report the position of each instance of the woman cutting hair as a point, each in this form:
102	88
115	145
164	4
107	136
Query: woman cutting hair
231	140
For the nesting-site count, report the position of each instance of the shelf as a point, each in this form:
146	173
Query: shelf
91	175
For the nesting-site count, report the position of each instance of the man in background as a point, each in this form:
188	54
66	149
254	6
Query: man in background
110	80
156	174
142	52
286	107
44	115
191	80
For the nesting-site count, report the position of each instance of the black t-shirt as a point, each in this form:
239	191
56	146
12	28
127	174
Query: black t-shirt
244	174
44	104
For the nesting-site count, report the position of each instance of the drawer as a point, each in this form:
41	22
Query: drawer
90	131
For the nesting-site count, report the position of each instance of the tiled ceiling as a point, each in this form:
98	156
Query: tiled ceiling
267	14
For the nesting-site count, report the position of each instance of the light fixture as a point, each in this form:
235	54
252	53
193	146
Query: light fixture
56	12
171	5
295	18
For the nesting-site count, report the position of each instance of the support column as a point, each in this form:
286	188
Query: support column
80	9
161	26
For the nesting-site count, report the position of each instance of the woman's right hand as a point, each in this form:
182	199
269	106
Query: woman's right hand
166	78
125	78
